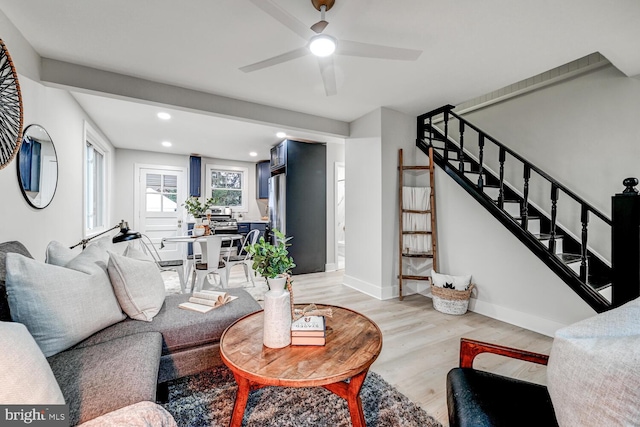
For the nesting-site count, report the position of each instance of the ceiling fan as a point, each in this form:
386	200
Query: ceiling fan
324	42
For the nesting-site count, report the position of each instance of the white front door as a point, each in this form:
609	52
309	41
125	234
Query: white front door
160	192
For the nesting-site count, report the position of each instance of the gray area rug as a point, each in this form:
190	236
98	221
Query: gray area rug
207	400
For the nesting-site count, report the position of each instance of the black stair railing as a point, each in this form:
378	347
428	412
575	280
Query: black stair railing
593	271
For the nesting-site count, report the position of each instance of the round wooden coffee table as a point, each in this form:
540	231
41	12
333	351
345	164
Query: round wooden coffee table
353	344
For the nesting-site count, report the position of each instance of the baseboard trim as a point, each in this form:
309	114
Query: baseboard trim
362	286
330	267
524	320
411	288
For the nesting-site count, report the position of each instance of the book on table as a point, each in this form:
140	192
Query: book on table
308	340
308	330
205	300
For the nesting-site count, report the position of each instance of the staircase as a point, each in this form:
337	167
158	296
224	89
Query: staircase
483	166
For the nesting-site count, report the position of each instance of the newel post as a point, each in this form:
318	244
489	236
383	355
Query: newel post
625	243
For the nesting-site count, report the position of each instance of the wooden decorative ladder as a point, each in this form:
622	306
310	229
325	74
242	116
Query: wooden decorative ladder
405	253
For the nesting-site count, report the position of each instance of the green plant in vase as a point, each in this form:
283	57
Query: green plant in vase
272	261
195	208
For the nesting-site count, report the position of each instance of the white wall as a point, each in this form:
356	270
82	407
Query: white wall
363	222
57	112
583	132
513	285
372	200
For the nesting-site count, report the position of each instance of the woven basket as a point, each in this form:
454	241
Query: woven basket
451	301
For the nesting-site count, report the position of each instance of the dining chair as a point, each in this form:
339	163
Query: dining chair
243	257
210	262
176	265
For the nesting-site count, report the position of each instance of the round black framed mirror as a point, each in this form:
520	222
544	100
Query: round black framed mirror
37	167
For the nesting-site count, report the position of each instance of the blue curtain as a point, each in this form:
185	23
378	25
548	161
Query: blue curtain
29	162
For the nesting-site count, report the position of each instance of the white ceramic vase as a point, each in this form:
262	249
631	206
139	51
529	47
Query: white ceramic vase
277	317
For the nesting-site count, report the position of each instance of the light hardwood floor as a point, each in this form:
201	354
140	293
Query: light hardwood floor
420	344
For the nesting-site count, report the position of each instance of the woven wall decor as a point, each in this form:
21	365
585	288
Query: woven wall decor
10	108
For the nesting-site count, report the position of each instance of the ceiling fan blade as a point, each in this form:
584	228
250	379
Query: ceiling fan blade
284	17
291	55
328	73
351	48
319	26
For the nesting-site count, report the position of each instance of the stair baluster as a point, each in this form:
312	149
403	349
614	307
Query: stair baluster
584	218
446	136
461	149
501	158
480	160
554	215
525	201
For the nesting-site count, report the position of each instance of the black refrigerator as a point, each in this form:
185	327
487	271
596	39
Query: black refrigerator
298	201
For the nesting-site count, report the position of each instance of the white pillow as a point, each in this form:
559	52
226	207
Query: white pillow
460	283
26	376
138	285
593	375
62	306
59	254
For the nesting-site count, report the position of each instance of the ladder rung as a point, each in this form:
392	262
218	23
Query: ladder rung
416	277
416	232
416	211
415	168
418	255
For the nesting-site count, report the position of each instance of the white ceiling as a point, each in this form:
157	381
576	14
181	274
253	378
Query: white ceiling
469	48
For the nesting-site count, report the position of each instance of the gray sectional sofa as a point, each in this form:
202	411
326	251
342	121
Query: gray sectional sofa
130	361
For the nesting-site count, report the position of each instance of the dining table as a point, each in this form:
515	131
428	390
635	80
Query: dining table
201	241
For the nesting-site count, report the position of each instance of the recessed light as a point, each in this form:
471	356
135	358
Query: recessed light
281	135
253	154
166	143
164	116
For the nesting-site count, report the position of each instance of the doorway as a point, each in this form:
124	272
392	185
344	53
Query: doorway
160	192
340	225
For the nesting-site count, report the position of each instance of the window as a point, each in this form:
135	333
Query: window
161	193
227	185
95	183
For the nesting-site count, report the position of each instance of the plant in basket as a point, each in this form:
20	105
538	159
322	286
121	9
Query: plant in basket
272	261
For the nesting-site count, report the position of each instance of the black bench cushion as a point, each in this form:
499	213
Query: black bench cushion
477	398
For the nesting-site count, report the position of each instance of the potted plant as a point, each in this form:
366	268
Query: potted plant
195	208
272	261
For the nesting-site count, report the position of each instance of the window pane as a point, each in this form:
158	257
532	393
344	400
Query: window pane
153	183
154	202
170	184
227	197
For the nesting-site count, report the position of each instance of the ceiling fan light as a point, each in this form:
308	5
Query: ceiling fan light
322	45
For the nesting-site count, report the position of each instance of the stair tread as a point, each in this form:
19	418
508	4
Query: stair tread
544	236
569	258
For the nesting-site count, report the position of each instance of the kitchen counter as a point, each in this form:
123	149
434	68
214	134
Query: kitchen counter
253	221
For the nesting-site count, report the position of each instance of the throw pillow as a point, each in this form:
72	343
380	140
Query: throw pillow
460	283
134	253
61	306
138	285
593	375
26	376
5	248
59	254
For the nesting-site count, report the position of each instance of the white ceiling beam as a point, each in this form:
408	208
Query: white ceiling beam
90	80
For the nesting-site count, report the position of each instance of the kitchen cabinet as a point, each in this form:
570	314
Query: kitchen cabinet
279	156
263	172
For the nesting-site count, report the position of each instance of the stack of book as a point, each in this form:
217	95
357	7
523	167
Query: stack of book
204	301
309	330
